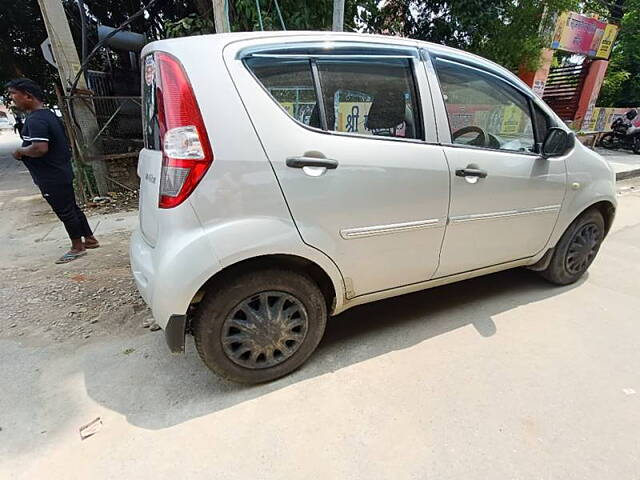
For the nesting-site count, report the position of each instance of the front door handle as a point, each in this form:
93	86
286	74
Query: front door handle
301	162
471	172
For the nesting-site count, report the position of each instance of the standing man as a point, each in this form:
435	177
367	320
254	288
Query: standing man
45	152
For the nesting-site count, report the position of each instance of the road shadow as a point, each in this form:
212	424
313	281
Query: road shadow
156	390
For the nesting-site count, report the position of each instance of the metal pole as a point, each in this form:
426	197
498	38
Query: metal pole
338	15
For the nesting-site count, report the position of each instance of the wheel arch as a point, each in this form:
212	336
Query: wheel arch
290	261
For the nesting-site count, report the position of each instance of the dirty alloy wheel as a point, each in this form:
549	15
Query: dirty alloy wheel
576	249
258	326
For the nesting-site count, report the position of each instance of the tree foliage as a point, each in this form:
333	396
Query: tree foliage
510	32
621	86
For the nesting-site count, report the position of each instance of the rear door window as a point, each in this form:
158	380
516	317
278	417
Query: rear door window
374	96
290	83
361	96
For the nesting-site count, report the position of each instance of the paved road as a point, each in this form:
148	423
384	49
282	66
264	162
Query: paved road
501	377
624	162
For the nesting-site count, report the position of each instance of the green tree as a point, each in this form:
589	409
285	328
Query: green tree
621	86
510	32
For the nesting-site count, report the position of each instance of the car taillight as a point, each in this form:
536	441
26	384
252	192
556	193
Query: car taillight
186	151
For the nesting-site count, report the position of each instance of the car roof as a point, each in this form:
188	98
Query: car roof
221	40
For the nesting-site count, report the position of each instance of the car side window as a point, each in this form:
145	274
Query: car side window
290	83
370	97
483	110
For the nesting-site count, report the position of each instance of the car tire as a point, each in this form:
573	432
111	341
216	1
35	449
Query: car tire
576	249
256	312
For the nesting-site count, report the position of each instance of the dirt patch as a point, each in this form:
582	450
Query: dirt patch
90	297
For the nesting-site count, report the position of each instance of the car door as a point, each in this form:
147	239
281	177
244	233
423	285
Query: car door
357	162
505	198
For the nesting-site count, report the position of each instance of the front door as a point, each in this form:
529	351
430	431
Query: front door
362	183
505	198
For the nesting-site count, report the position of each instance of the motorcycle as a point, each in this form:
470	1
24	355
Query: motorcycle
623	134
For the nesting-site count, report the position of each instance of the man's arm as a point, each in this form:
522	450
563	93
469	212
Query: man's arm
35	150
38	135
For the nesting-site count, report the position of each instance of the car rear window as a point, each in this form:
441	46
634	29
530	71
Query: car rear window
375	96
150	125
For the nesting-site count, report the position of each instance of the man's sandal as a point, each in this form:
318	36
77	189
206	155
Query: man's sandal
91	245
70	257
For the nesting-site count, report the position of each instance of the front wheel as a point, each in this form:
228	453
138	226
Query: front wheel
636	144
576	249
259	326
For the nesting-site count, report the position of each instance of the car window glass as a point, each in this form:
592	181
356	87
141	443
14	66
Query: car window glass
290	83
370	97
150	125
483	110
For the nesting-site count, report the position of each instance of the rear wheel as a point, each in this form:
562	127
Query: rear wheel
576	249
261	325
607	141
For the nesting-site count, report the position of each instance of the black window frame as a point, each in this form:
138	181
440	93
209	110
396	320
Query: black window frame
344	53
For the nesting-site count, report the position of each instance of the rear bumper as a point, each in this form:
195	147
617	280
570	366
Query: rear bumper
141	257
169	274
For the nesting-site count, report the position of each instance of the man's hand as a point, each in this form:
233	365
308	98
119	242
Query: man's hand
17	155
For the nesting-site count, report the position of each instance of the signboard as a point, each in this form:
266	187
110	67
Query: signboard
47	52
584	35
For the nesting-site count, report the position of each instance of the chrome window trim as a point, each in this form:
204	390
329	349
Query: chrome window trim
481	69
488	149
361	232
505	214
410	51
321	56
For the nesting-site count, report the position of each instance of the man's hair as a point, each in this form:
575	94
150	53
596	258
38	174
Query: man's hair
27	85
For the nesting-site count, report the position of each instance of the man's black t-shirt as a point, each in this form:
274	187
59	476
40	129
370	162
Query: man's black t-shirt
53	168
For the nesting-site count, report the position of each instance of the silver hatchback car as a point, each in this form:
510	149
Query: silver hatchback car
287	177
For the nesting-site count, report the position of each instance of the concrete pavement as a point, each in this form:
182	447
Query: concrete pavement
625	163
500	377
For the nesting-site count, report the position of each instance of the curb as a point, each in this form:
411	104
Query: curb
628	174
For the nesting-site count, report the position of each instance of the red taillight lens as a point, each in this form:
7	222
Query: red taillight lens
186	151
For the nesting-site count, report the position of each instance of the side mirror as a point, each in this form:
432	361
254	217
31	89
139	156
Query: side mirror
557	143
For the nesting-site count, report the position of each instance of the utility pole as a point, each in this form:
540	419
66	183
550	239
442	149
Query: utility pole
68	64
338	15
219	16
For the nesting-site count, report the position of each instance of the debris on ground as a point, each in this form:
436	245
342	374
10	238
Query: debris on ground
114	202
90	428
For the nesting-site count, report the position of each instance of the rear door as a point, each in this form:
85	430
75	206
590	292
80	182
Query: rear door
505	198
360	170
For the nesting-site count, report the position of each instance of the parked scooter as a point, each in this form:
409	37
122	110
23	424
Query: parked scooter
623	134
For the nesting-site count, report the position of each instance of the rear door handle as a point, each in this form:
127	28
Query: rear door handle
471	172
300	162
